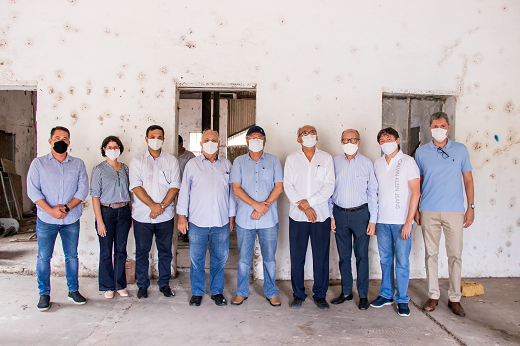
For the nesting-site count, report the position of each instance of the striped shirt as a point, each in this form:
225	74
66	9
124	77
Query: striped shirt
356	184
57	183
108	185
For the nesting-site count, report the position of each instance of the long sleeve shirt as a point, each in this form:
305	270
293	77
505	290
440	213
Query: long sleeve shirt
206	197
156	177
356	184
57	183
313	181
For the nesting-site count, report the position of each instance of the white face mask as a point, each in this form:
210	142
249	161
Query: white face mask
349	148
256	145
309	141
210	147
112	154
389	147
439	134
155	144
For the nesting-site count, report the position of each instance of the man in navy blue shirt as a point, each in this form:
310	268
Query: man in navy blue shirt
444	165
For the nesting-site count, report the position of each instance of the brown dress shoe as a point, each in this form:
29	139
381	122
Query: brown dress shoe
430	304
238	300
274	301
456	308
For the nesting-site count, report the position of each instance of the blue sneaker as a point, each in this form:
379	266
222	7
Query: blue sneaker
381	301
402	309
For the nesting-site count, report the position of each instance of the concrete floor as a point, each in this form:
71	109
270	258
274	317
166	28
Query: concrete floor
492	319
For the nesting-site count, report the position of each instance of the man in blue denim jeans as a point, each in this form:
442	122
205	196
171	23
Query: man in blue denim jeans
399	193
207	200
57	183
257	179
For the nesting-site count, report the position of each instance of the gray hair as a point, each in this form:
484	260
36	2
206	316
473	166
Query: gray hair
209	130
439	115
301	127
356	131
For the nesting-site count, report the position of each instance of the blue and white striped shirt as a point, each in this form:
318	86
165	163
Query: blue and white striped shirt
57	183
108	185
356	184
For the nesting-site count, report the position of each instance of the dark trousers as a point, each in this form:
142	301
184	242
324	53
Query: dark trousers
112	275
299	233
353	225
143	233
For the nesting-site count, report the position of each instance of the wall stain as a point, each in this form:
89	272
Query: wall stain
120	75
51	90
509	107
477	146
516	161
462	77
84	107
106	91
490	106
492	201
509	243
448	51
164	70
476	85
71	90
477	58
85	205
59	97
518	222
141	77
190	44
159	94
59	74
29	42
512	202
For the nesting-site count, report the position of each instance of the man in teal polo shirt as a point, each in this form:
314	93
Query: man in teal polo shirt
444	165
257	179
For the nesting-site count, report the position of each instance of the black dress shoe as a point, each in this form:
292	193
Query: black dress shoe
341	299
167	291
363	304
195	300
142	293
45	302
219	299
322	304
297	303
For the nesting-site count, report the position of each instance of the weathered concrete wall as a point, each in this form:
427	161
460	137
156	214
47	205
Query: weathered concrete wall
17	109
112	68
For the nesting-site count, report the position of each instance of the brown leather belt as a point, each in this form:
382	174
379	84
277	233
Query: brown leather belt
115	205
363	206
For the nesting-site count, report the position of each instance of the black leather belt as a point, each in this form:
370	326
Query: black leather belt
348	210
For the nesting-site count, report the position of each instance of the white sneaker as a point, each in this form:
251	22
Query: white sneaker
109	294
123	292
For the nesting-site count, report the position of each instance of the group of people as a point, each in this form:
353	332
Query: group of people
346	195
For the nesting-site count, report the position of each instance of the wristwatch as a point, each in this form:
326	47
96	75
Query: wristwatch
67	208
472	206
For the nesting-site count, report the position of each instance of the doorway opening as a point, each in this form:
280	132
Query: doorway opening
409	115
231	112
17	150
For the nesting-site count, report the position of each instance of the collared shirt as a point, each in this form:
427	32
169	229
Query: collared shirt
183	160
108	185
257	179
206	196
313	181
57	183
394	191
356	184
156	177
442	189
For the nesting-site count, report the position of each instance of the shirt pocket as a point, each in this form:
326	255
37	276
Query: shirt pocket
225	178
266	174
164	177
321	173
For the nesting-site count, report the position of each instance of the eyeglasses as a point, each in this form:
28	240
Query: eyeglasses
305	133
443	153
350	140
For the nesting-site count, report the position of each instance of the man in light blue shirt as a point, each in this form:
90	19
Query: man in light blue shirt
257	179
353	209
207	200
57	183
444	165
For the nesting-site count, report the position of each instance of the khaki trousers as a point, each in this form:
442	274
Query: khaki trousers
433	223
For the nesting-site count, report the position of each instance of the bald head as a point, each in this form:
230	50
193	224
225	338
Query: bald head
209	135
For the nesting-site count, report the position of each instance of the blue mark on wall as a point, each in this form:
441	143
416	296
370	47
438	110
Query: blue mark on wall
496	138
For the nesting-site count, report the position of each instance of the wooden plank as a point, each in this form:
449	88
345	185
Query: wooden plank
206	110
8	166
216	111
16	184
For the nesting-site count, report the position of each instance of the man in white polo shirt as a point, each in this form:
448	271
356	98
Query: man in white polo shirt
399	193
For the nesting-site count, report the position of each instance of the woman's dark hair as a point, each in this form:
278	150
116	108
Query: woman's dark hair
111	139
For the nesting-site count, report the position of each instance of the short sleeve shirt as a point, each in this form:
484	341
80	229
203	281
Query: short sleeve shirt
257	179
394	191
442	188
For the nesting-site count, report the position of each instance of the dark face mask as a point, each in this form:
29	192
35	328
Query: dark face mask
60	147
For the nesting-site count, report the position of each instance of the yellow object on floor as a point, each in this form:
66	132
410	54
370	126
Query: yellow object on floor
470	289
